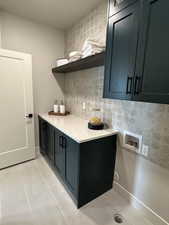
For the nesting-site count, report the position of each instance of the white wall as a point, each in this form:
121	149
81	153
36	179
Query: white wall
0	29
147	181
45	44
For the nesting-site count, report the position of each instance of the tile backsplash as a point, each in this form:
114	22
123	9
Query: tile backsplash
146	119
92	26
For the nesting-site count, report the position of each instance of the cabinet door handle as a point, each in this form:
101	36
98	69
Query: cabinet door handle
61	141
129	85
136	85
64	142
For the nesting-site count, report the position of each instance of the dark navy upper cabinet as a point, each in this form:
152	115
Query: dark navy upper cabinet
153	67
121	53
117	5
137	53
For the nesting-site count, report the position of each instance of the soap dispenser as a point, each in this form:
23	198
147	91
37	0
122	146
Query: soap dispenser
56	107
62	108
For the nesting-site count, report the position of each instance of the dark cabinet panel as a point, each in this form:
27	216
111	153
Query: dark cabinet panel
122	40
50	142
59	153
46	139
153	69
117	5
72	163
97	162
138	52
43	136
86	169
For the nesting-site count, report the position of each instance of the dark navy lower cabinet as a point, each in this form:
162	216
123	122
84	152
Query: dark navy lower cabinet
46	139
60	154
86	169
43	136
50	142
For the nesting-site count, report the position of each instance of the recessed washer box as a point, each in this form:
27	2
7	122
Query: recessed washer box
132	141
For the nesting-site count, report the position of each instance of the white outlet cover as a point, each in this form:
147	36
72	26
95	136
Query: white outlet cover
145	150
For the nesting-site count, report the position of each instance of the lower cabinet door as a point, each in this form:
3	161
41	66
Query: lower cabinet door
50	142
59	153
43	136
72	162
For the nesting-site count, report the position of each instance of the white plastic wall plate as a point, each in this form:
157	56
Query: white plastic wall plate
130	147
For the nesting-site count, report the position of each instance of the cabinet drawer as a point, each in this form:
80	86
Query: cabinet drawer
117	5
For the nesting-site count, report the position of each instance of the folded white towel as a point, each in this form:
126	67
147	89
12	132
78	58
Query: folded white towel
92	51
61	62
93	43
90	48
75	58
75	53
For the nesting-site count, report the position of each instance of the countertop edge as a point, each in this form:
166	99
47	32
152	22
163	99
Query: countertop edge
114	132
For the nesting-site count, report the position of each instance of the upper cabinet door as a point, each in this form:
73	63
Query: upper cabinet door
121	53
116	5
152	84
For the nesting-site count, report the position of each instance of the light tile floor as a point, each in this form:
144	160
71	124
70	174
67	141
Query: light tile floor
30	194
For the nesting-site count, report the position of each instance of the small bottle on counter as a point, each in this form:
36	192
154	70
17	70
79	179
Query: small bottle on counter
56	107
62	108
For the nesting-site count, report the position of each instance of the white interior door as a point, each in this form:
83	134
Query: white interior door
16	102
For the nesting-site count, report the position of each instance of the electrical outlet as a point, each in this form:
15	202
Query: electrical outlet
84	106
145	150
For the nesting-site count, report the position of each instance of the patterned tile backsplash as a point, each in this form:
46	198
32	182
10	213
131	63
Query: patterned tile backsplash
149	120
92	26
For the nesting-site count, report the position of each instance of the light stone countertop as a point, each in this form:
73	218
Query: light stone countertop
76	127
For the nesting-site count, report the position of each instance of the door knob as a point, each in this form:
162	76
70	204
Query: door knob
30	116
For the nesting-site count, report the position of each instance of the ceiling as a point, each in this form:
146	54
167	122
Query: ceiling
57	13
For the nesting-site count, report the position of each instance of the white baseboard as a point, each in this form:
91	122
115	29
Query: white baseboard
149	213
